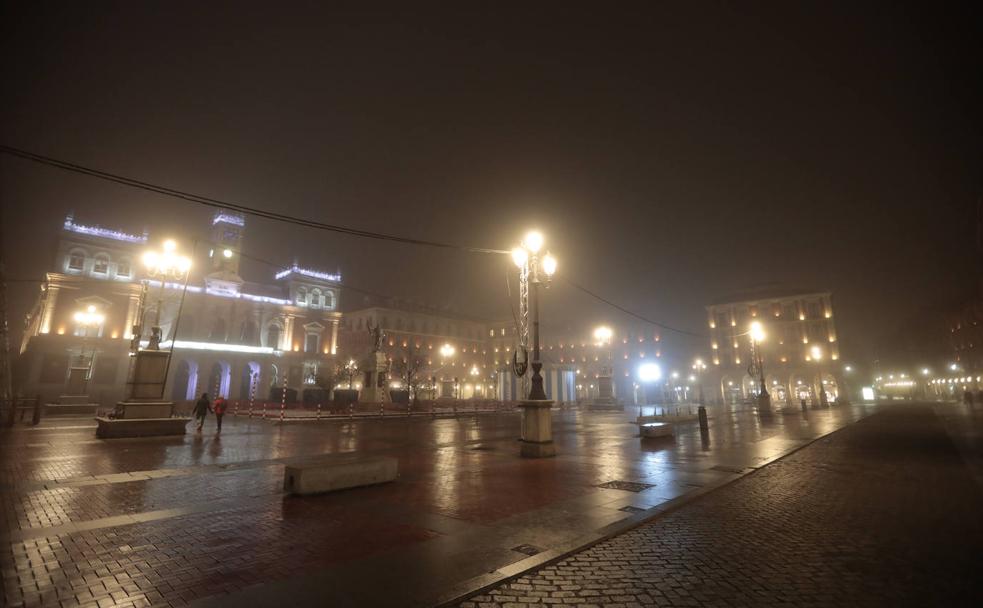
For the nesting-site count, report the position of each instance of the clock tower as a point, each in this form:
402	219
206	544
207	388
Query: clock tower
227	228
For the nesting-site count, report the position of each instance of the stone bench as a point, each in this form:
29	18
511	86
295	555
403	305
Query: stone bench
651	426
338	472
140	427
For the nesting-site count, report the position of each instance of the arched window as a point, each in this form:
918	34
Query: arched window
101	265
273	332
301	296
76	260
329	302
123	268
317	300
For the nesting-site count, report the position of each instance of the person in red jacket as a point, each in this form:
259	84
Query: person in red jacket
219	408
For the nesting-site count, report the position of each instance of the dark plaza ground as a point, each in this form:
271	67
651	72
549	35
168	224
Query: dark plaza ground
202	519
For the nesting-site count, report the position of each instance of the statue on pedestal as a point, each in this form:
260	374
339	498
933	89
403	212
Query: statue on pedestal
377	336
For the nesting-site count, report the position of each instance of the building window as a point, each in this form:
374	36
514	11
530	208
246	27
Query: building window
317	300
123	268
302	296
312	344
273	336
218	331
76	260
102	265
813	310
788	311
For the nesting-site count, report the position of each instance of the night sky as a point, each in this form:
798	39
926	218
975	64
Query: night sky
672	155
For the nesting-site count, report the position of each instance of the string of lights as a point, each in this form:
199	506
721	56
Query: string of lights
220	204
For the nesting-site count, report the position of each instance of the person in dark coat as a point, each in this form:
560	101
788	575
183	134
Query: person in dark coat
202	407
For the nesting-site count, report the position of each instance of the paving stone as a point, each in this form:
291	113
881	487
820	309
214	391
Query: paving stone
836	523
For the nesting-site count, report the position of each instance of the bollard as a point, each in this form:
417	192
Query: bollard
36	417
318	411
235	408
704	423
382	409
252	397
351	409
283	399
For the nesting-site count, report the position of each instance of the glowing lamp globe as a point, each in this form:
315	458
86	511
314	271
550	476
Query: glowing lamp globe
649	372
533	241
549	265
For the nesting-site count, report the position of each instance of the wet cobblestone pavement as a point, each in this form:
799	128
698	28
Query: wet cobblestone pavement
173	521
882	513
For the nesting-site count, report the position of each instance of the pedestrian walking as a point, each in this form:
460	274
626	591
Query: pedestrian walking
968	397
219	408
202	407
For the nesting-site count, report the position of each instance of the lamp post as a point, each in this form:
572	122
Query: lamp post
757	335
699	367
817	355
534	270
163	265
536	439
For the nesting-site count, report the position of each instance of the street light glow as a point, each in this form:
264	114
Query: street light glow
816	352
447	350
227	253
549	265
603	334
533	241
649	372
520	256
757	331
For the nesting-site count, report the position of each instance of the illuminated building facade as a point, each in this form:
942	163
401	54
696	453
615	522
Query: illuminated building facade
232	337
800	348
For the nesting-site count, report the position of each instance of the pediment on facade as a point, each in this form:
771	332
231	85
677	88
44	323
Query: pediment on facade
96	301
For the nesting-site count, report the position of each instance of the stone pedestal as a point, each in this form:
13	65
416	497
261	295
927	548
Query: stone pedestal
536	440
374	379
144	414
148	374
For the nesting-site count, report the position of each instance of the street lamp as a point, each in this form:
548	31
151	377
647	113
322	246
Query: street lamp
164	265
533	270
757	366
699	366
817	356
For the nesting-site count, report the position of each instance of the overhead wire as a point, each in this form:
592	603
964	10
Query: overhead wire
632	313
282	217
229	205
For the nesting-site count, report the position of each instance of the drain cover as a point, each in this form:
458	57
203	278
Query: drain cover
630	486
527	549
727	469
631	509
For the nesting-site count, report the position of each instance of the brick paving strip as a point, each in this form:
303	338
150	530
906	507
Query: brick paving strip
882	512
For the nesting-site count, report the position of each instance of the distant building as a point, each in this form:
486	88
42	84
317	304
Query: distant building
233	338
800	350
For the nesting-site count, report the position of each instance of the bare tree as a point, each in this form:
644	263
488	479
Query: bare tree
409	368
